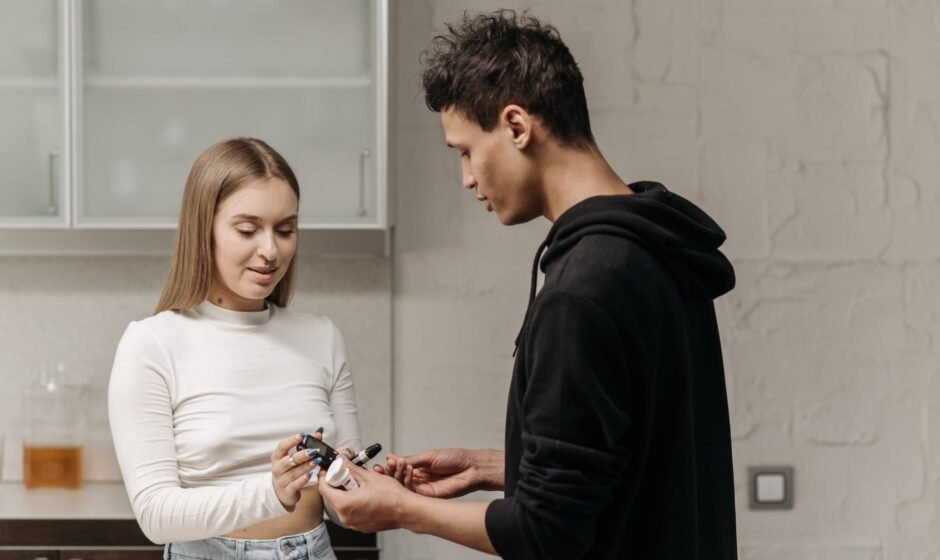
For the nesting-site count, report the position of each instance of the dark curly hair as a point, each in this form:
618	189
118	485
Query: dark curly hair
491	60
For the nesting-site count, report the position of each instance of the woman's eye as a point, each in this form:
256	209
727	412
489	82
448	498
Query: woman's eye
246	232
286	232
464	154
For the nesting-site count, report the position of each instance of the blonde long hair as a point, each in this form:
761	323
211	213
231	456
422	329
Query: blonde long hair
218	172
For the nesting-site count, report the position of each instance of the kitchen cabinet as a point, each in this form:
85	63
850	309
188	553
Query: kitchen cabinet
33	98
121	539
116	98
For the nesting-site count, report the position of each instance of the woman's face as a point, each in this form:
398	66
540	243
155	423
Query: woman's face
254	238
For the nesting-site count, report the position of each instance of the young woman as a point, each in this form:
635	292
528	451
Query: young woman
208	397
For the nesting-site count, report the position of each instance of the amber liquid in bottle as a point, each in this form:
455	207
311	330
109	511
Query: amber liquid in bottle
45	467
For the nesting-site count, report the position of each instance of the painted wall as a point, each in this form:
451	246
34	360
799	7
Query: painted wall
810	129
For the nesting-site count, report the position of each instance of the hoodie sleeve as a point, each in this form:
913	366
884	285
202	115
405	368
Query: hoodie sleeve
574	424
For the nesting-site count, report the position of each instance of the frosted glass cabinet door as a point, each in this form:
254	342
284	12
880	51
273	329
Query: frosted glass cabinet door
32	97
161	81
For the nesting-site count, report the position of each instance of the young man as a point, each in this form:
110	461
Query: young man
617	435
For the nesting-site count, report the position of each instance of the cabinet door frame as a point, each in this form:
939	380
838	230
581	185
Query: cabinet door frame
75	158
60	174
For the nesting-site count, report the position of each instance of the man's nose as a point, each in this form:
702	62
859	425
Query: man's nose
469	180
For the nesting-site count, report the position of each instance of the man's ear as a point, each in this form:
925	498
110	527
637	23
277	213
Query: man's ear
519	124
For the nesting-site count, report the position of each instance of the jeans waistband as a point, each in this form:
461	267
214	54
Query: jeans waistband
314	544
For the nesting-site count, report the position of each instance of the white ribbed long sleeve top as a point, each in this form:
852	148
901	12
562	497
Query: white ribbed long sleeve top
198	400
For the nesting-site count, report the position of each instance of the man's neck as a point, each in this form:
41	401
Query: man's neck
570	176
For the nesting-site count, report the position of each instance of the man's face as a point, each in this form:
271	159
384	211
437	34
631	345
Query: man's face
493	164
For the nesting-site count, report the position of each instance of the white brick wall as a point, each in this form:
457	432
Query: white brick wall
811	130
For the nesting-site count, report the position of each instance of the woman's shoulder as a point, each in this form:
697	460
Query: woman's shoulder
156	327
303	318
170	319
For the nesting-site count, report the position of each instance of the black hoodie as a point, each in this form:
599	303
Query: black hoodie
618	442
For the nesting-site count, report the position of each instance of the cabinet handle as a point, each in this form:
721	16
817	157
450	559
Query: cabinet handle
365	153
53	157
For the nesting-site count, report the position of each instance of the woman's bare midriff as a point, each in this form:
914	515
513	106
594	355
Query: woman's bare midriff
307	515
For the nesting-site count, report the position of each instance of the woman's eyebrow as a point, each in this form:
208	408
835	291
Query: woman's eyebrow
252	218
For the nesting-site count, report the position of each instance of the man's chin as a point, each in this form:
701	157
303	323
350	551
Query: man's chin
515	219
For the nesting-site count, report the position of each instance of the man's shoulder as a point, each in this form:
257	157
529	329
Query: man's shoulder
601	263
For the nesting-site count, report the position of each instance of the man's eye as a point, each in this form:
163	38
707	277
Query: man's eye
464	154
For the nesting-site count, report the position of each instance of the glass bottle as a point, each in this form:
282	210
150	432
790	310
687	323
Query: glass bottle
55	422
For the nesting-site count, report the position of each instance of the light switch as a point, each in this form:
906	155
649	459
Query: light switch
771	487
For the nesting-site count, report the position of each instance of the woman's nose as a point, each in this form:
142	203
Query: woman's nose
267	247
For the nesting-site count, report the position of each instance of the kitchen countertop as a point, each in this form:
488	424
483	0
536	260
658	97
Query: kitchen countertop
96	500
99	515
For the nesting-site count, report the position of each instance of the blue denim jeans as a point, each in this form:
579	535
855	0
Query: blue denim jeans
312	545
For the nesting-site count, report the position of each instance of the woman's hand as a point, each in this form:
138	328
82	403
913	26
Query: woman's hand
290	470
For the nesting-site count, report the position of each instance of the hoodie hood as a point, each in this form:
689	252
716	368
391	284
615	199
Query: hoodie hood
675	231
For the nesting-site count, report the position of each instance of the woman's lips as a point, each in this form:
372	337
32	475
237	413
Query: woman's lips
263	274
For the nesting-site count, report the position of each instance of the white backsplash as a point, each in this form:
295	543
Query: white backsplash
74	310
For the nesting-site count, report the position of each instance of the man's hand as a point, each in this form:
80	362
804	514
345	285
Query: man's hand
374	506
447	473
381	504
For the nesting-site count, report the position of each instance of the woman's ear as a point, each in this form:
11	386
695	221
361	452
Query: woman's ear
519	125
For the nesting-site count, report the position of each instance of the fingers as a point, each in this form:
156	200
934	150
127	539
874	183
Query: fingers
287	463
421	459
360	474
301	465
306	472
409	477
398	471
380	469
284	446
291	470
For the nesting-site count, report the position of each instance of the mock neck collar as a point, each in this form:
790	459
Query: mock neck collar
211	311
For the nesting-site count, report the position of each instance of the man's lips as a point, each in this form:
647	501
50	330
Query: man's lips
483	198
